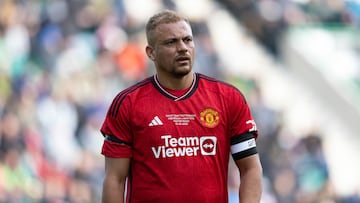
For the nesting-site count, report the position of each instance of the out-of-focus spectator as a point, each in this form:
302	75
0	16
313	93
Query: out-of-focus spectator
354	11
207	60
131	61
268	19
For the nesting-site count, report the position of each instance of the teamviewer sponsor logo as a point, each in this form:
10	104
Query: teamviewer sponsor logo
185	146
208	145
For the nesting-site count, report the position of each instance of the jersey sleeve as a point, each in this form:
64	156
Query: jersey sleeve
243	131
116	129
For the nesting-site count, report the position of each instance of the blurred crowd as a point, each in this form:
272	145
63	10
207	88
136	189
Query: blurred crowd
268	19
61	63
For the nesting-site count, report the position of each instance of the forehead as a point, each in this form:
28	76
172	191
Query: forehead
173	30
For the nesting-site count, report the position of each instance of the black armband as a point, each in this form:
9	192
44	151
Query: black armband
243	145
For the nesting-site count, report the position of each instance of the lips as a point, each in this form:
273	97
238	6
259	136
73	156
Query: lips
182	58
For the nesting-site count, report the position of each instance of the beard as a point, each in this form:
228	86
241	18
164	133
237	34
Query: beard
175	70
180	72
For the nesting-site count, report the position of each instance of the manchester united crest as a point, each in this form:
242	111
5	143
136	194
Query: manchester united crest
209	117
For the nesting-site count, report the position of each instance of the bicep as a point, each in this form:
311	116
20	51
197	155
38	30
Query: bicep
250	178
117	168
116	171
250	163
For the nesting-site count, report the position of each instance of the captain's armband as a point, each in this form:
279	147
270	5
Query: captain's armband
243	146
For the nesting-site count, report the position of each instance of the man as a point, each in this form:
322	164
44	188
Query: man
168	138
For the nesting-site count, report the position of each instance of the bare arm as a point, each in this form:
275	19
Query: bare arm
116	171
250	179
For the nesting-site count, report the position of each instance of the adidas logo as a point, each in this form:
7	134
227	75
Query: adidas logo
155	121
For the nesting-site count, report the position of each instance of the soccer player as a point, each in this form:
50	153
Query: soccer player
168	138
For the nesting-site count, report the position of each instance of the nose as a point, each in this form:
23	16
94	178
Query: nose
181	46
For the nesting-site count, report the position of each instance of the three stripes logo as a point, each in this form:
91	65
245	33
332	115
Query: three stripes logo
156	121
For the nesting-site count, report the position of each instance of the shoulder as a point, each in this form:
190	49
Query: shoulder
138	87
122	99
132	91
223	87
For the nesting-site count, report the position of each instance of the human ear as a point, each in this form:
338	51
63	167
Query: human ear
150	52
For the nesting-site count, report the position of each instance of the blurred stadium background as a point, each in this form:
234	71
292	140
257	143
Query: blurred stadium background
296	61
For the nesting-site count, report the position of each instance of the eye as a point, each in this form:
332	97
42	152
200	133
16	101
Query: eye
170	42
189	39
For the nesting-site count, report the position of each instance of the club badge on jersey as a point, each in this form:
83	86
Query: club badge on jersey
209	118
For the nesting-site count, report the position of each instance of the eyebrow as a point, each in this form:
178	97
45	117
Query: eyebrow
176	38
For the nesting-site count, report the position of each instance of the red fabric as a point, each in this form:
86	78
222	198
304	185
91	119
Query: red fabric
180	149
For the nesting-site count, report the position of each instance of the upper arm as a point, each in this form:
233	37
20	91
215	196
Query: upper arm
241	120
116	171
117	168
250	163
250	178
117	130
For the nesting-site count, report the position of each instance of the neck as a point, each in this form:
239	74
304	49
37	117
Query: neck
176	83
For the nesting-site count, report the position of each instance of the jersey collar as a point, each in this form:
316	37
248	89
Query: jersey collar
167	94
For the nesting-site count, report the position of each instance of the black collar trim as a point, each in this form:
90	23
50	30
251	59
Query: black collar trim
167	94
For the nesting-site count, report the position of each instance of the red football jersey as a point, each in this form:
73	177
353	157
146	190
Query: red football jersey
179	145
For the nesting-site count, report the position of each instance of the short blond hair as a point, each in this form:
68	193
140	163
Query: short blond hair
163	17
